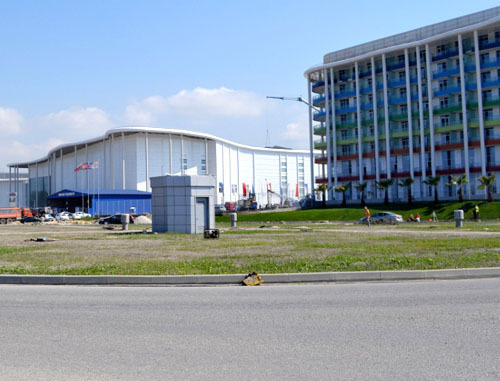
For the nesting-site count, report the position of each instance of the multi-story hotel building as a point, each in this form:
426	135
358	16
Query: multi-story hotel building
414	105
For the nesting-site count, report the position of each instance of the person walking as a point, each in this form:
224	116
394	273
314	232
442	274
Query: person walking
434	216
476	213
367	216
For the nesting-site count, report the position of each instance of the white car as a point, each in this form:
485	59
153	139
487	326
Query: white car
80	215
48	217
64	216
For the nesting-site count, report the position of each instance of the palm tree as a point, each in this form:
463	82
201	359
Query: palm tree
323	188
343	189
385	184
361	187
433	181
459	181
406	183
487	182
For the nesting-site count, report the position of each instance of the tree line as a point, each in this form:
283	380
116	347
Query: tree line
485	182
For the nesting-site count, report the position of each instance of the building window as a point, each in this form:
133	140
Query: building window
487	95
445	120
344	103
442	66
488	114
401	75
440	49
403	108
443	102
485	76
485	57
401	58
443	84
370	82
402	92
404	142
343	134
370	98
343	118
404	125
341	87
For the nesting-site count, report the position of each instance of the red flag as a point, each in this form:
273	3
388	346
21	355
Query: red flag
244	189
297	190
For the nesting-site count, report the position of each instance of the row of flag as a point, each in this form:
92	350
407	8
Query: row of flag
246	188
87	166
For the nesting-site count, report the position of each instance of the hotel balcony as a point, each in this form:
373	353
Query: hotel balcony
445	54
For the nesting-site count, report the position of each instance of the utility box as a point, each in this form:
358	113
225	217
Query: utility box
459	218
183	204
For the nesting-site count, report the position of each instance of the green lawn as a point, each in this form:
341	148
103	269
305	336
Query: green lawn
444	211
271	248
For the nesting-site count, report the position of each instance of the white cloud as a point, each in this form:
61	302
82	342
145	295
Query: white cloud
10	121
198	104
76	123
17	151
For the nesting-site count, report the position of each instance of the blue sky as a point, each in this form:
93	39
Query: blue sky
72	69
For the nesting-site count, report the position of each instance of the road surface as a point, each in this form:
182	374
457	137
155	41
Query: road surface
377	331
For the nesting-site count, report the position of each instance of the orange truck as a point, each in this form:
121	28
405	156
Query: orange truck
13	214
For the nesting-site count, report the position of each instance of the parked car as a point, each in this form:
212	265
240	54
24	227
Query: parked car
48	217
220	209
64	216
383	218
80	215
114	219
34	220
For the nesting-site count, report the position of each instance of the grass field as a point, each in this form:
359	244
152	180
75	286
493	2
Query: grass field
444	211
89	249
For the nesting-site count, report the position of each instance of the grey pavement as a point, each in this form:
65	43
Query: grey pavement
405	330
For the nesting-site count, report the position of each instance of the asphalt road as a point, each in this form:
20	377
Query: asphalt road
376	331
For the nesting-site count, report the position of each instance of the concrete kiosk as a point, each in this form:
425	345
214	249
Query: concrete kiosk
183	204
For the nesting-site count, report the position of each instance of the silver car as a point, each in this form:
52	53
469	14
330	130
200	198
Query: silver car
383	218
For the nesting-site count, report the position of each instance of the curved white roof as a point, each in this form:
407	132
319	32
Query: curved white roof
155	130
411	39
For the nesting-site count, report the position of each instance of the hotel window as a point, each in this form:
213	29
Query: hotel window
443	102
370	82
401	58
372	130
403	108
404	143
442	66
343	118
404	125
402	92
368	66
341	87
402	75
343	134
488	114
483	38
346	150
445	121
486	95
370	98
488	133
203	166
370	113
461	117
486	76
443	84
484	57
440	49
344	103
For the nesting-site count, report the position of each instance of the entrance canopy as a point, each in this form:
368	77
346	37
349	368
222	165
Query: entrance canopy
104	202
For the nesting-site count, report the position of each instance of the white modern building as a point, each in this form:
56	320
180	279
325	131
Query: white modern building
128	157
420	104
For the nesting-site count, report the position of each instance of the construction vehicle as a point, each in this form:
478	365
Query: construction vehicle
13	214
249	203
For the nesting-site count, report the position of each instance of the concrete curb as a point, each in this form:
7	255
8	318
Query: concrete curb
235	279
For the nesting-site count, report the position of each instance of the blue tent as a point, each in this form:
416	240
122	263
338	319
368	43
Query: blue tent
107	201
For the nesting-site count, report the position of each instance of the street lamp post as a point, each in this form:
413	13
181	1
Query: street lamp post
311	145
